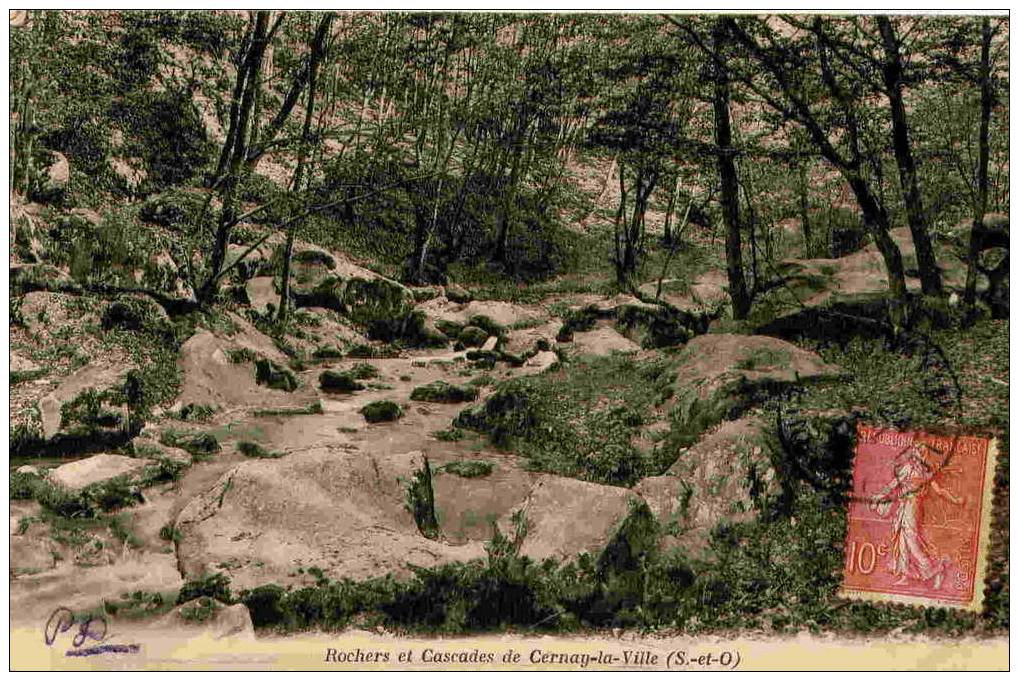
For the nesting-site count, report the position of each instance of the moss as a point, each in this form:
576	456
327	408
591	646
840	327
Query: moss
363	370
443	392
275	376
473	337
381	411
327	352
470	468
196	443
255	450
449	328
339	382
487	324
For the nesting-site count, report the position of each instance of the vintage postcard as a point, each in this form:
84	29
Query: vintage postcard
545	340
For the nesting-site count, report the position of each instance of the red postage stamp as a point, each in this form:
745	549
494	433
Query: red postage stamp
919	519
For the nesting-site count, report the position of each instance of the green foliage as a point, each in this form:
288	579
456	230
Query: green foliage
339	382
363	370
164	470
443	392
577	421
255	450
210	585
472	337
89	502
469	468
177	210
420	501
382	411
275	376
196	443
242	355
196	412
310	409
170	533
327	352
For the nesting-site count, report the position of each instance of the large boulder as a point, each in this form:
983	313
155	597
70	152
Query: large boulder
219	370
80	474
99	376
563	517
342	511
725	477
713	362
207	617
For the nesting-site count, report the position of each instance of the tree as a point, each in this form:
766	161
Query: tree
796	77
727	173
317	53
236	141
980	198
894	78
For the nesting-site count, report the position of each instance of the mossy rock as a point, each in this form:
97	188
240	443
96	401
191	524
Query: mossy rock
327	352
381	411
370	300
424	293
473	337
451	329
363	370
655	326
469	468
274	376
193	442
133	313
411	329
458	295
342	382
315	256
444	392
487	324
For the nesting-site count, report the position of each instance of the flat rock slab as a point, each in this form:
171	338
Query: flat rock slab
602	341
79	474
231	622
566	517
467	508
340	510
21	364
541	361
261	292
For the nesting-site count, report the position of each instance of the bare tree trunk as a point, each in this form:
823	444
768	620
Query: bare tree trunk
228	214
930	275
980	202
317	52
727	176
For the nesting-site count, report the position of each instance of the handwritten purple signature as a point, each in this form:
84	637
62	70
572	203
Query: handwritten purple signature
94	628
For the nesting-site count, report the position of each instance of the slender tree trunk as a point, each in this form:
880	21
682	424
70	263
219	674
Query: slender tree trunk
930	275
235	103
228	214
803	202
317	51
980	202
727	176
667	230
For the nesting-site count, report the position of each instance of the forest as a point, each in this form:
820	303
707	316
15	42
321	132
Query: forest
530	267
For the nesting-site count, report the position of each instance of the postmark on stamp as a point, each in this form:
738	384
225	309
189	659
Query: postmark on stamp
919	521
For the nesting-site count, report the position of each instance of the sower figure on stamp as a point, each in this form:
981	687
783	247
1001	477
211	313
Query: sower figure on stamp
913	476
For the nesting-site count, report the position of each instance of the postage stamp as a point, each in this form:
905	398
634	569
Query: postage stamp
918	522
